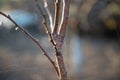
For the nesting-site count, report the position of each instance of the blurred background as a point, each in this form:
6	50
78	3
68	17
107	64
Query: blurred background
91	47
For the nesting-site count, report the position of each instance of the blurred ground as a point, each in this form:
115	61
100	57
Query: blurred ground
91	48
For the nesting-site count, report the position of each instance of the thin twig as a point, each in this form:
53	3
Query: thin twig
56	18
47	31
45	25
65	14
32	38
49	15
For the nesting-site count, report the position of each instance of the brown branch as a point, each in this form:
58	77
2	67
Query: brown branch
65	14
45	24
56	18
60	39
46	27
32	38
49	15
57	37
47	31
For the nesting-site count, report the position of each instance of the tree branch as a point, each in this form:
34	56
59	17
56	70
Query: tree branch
56	18
49	15
48	32
65	14
60	39
32	38
46	27
55	35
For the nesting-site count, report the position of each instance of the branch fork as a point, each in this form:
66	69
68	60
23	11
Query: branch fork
56	33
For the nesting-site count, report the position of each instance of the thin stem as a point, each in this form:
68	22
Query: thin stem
47	31
56	18
49	14
32	38
45	26
65	14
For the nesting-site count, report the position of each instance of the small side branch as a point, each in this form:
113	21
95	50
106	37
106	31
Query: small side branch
45	26
32	38
56	18
65	14
44	23
48	32
49	15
